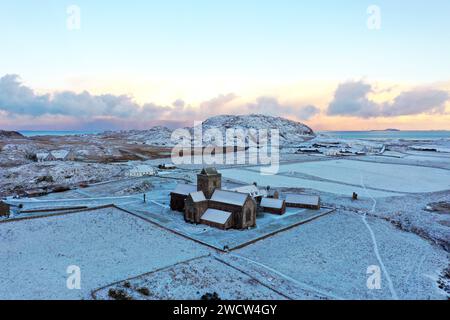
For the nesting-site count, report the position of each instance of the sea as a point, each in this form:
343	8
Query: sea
381	135
376	135
32	133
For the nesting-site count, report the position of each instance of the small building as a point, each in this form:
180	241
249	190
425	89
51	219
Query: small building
253	191
303	201
218	219
179	195
63	155
44	156
196	205
142	171
208	180
166	166
242	206
275	206
274	194
5	209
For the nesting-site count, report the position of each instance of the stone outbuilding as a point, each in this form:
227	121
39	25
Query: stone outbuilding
271	205
273	194
303	201
253	191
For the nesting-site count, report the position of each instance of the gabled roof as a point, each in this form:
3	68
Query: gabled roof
209	171
216	216
272	203
198	196
184	189
42	155
303	199
143	168
60	154
229	197
251	190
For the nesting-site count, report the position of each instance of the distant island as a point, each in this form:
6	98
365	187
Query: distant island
389	129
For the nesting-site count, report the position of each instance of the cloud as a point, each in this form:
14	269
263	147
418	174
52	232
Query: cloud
271	106
179	103
308	112
421	100
351	99
22	104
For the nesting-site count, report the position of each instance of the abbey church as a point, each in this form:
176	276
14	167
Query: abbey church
208	204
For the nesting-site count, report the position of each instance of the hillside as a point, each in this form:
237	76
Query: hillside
291	132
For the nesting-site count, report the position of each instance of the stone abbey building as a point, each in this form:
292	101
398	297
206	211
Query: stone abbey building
211	205
207	203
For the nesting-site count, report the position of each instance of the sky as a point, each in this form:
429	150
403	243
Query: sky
334	65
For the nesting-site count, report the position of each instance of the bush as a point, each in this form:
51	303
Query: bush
118	294
211	297
47	178
144	291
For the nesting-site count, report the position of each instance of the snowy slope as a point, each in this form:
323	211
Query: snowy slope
290	132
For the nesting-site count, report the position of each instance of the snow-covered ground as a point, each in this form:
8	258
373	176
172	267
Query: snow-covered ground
346	176
400	178
193	279
332	256
289	181
108	245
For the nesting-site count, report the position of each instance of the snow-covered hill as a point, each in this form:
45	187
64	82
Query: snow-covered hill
290	132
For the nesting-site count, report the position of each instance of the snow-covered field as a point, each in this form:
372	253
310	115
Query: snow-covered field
401	178
250	176
193	279
335	176
108	245
332	255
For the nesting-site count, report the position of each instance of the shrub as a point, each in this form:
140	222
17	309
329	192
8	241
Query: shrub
211	296
144	291
118	294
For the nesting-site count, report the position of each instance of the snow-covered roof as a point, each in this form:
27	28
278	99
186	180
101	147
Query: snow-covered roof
216	216
42	155
60	154
209	171
229	197
143	168
252	190
302	199
272	203
185	189
198	196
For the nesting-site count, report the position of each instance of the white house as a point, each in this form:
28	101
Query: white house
63	155
142	170
44	156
